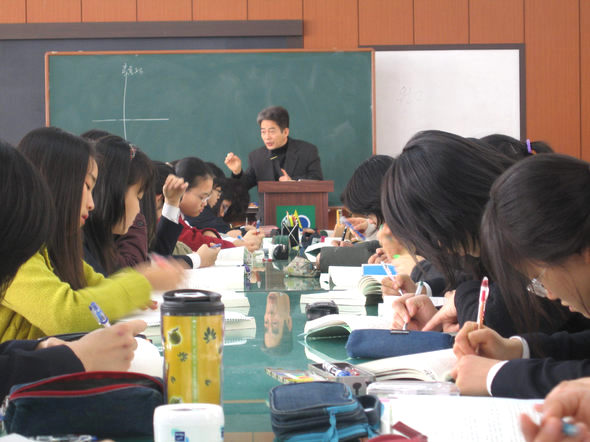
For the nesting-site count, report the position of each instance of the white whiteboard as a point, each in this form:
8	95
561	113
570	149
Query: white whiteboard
470	92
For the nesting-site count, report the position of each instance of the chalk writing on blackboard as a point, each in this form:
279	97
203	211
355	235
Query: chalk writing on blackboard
127	71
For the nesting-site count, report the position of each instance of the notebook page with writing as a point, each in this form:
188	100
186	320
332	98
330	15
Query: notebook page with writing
233	256
427	366
460	418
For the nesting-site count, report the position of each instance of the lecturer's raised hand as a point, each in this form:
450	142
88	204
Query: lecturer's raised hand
233	163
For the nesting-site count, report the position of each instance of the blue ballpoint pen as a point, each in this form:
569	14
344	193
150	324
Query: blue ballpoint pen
101	318
349	225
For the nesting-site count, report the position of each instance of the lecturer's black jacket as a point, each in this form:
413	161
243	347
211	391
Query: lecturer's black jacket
302	162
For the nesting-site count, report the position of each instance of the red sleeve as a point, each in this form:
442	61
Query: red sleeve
194	237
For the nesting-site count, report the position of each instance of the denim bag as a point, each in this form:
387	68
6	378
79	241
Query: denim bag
322	412
103	404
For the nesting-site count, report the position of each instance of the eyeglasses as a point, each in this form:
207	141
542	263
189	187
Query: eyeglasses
536	287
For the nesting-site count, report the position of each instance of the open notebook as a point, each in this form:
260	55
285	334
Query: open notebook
427	366
333	326
459	418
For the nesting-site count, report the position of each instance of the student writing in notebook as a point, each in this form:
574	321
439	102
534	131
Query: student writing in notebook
125	174
51	292
22	233
434	197
362	196
200	184
168	192
536	240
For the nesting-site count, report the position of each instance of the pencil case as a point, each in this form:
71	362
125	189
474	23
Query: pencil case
104	404
377	344
322	412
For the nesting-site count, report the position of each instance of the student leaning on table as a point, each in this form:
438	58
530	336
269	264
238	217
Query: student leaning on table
21	235
536	235
51	292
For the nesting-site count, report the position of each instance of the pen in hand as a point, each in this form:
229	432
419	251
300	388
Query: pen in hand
351	227
483	297
101	318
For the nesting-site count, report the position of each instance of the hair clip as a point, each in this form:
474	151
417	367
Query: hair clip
132	151
529	149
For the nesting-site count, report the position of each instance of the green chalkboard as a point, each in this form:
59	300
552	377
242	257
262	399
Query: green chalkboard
204	104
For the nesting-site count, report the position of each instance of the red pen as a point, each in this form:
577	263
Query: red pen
483	297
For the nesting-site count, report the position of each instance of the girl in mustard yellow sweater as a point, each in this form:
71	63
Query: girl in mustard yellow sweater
51	292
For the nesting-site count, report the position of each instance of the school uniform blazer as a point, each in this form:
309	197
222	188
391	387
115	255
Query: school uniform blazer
498	317
21	363
167	233
534	378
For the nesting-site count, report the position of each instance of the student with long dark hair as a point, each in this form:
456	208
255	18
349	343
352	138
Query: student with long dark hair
23	231
536	242
125	174
200	184
362	197
433	201
51	292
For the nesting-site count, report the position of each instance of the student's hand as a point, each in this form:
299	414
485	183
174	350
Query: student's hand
485	342
285	176
568	399
550	430
207	255
108	349
252	240
345	243
413	310
234	233
173	189
379	257
446	317
233	163
471	374
360	224
399	282
165	274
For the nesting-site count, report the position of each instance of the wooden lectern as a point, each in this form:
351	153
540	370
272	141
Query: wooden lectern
284	193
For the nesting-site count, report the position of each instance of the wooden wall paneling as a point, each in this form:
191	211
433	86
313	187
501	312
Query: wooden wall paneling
585	77
330	24
13	11
275	9
497	21
55	11
169	10
109	10
386	22
220	9
552	38
441	22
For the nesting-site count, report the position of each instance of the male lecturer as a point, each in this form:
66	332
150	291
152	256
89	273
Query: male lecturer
281	158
